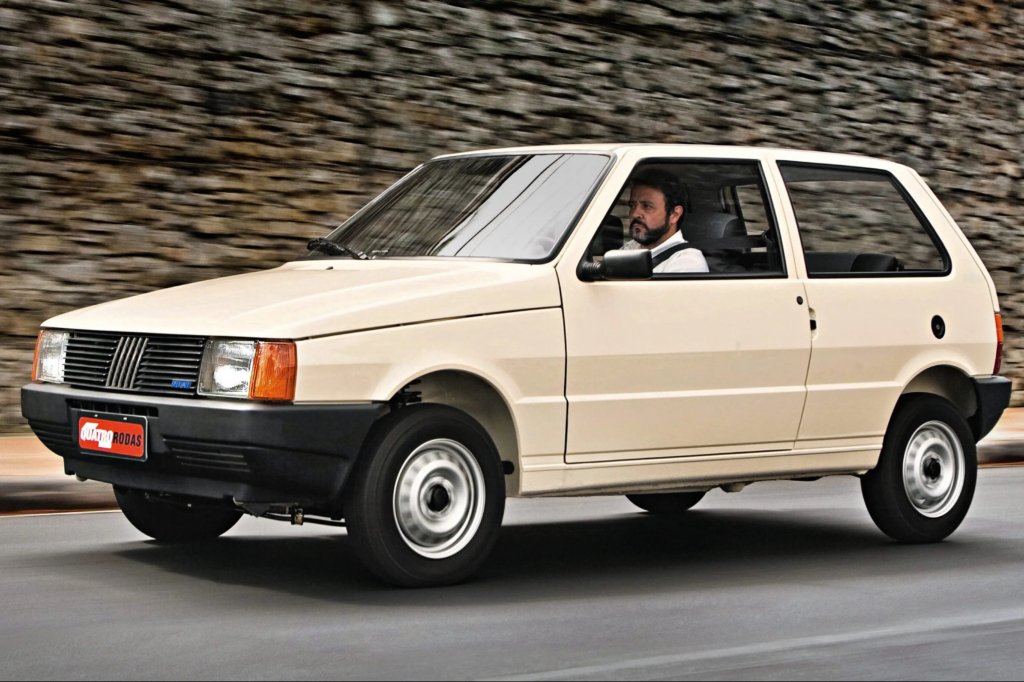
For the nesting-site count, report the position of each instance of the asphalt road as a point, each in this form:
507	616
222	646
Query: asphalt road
784	580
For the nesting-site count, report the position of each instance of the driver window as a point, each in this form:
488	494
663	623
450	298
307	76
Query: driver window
699	219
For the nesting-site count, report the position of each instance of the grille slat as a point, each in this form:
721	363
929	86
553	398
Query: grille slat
166	366
166	355
90	355
97	342
70	365
134	362
90	361
92	379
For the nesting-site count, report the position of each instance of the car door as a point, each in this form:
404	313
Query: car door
691	364
877	278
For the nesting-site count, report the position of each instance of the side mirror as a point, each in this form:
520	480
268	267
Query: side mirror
619	265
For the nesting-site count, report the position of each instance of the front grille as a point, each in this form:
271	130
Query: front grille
134	362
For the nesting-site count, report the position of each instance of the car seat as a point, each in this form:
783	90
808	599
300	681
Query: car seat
609	237
704	228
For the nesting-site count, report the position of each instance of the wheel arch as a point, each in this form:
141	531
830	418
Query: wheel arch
951	383
477	397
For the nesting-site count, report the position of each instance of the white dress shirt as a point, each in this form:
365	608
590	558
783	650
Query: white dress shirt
688	260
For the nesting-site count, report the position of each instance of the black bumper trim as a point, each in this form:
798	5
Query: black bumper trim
993	398
213	448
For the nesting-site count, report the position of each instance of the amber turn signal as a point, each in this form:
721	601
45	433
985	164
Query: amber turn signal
999	344
35	359
274	368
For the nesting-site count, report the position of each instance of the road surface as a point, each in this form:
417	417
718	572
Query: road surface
784	580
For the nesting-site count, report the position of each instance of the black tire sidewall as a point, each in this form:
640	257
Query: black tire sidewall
666	504
884	490
166	522
369	497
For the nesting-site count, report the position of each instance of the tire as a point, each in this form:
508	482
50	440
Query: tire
426	499
666	504
170	522
924	482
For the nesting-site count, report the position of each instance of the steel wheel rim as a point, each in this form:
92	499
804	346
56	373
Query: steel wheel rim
934	469
439	499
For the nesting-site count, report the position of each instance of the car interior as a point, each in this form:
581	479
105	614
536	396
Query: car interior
724	217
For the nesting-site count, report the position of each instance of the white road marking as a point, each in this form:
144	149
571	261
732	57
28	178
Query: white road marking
16	515
912	628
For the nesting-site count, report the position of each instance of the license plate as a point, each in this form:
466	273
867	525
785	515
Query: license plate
112	434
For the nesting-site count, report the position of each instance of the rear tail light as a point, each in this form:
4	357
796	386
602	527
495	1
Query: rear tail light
273	372
999	344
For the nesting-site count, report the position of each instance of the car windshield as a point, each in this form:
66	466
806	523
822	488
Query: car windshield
513	207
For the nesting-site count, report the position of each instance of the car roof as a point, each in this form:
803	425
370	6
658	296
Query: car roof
727	151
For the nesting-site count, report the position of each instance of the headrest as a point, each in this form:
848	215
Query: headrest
609	237
700	227
821	262
875	262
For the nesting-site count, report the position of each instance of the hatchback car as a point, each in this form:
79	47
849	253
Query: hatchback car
641	320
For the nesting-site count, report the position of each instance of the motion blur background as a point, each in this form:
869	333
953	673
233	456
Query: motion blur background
149	144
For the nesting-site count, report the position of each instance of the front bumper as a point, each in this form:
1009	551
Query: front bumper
217	449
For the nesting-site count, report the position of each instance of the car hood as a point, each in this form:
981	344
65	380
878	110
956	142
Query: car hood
323	297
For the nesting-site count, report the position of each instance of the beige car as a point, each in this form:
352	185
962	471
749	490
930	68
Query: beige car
640	320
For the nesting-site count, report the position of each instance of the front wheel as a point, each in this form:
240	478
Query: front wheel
170	521
924	482
426	500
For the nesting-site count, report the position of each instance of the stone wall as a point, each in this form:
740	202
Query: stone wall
145	144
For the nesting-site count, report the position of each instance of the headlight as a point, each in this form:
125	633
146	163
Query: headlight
260	370
51	348
227	368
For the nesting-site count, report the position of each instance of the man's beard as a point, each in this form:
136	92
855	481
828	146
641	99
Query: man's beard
651	236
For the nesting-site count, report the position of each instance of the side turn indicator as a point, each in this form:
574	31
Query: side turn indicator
35	358
274	369
999	344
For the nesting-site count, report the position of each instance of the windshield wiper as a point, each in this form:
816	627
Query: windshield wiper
334	248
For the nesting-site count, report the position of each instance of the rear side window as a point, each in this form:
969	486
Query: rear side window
860	223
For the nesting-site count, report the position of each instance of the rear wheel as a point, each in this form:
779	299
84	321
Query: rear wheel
172	521
924	482
666	504
425	502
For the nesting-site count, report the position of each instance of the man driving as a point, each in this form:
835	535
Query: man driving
655	212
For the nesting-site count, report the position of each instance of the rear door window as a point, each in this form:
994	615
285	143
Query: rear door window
860	223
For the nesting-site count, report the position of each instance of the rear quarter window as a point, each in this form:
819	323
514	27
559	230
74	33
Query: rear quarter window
856	222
